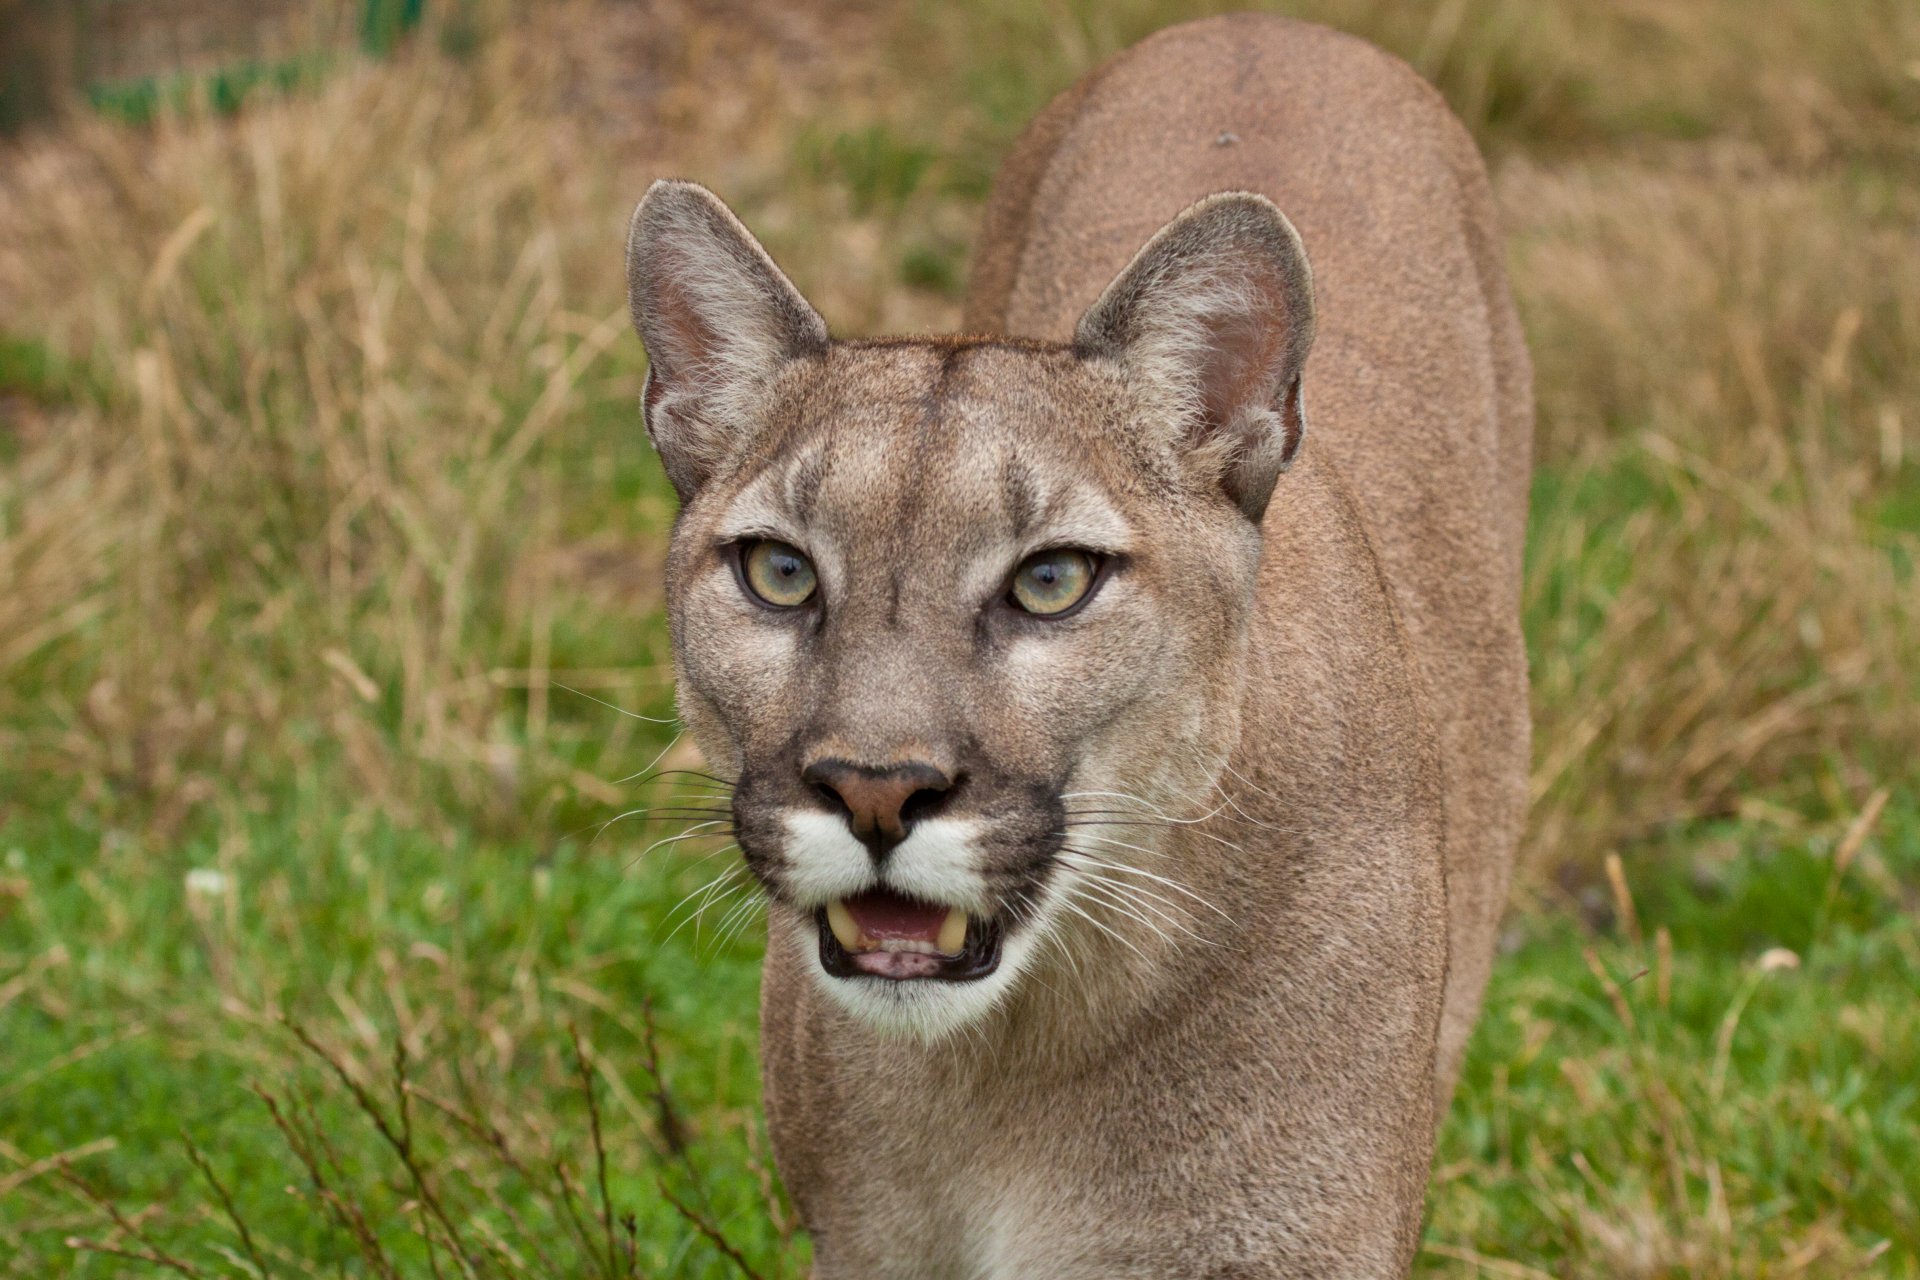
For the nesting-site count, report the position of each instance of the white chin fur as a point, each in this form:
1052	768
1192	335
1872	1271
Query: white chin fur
921	1009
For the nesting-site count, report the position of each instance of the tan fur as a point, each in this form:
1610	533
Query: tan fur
1419	388
1217	809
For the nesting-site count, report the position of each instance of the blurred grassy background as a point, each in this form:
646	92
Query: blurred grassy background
329	563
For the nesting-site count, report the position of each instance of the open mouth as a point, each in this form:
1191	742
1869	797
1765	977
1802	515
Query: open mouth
883	934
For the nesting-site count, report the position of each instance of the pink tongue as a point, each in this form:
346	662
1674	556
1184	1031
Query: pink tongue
882	915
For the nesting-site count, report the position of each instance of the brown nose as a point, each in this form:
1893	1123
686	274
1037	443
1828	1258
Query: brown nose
881	803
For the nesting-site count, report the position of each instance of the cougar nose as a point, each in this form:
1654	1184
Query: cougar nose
880	803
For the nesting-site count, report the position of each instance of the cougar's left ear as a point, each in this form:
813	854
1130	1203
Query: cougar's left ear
1216	315
718	319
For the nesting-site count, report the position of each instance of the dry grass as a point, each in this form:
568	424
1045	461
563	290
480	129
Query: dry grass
345	506
1728	408
296	509
1547	77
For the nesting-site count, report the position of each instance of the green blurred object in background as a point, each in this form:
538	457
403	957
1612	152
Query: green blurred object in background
383	22
129	58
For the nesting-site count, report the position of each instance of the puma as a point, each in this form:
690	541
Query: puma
1125	706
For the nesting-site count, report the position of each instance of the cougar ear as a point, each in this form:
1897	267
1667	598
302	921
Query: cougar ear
1216	315
718	319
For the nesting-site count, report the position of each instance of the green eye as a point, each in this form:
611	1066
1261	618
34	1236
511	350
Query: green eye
778	574
1052	582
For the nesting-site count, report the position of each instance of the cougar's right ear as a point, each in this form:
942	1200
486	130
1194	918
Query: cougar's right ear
718	320
1215	315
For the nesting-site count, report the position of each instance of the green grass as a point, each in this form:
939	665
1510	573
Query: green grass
1761	1087
176	973
1742	1107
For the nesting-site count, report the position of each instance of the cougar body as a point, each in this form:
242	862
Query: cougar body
1420	389
1228	831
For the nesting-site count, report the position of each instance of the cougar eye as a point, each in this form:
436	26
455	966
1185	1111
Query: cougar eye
1048	583
778	574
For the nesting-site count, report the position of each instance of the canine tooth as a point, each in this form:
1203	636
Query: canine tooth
953	932
840	920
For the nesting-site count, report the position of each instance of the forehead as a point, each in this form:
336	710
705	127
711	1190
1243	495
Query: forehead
959	441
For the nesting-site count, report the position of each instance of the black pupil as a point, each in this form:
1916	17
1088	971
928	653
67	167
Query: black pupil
1047	572
785	566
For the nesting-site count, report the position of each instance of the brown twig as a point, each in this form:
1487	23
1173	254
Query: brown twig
345	1214
205	1167
673	1132
153	1255
713	1234
400	1141
84	1245
599	1149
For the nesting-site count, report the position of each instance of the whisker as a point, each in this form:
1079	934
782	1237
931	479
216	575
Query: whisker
1175	885
1081	861
669	813
1103	892
1049	927
1069	904
725	784
1228	768
645	815
655	762
1172	822
708	894
614	707
1137	896
738	917
1148	805
706	857
691	833
700	916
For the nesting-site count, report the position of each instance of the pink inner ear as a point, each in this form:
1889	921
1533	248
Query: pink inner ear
1249	395
1244	363
685	340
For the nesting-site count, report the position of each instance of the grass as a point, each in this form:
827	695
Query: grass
328	535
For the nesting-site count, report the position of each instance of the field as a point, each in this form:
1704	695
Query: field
336	935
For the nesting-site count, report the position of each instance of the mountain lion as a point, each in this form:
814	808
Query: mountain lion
1132	769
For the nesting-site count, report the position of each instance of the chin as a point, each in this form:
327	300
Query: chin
927	1009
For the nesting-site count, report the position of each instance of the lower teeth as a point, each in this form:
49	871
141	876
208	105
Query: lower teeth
952	940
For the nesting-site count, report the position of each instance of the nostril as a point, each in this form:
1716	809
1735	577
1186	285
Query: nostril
834	799
926	802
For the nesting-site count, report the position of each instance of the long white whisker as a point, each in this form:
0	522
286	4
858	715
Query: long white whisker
738	917
709	889
700	916
1135	896
622	710
1148	805
1245	816
1145	822
1049	925
1103	892
645	810
695	832
1089	860
1140	898
710	854
1069	904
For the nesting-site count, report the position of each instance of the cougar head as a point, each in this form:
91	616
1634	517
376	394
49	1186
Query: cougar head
963	619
